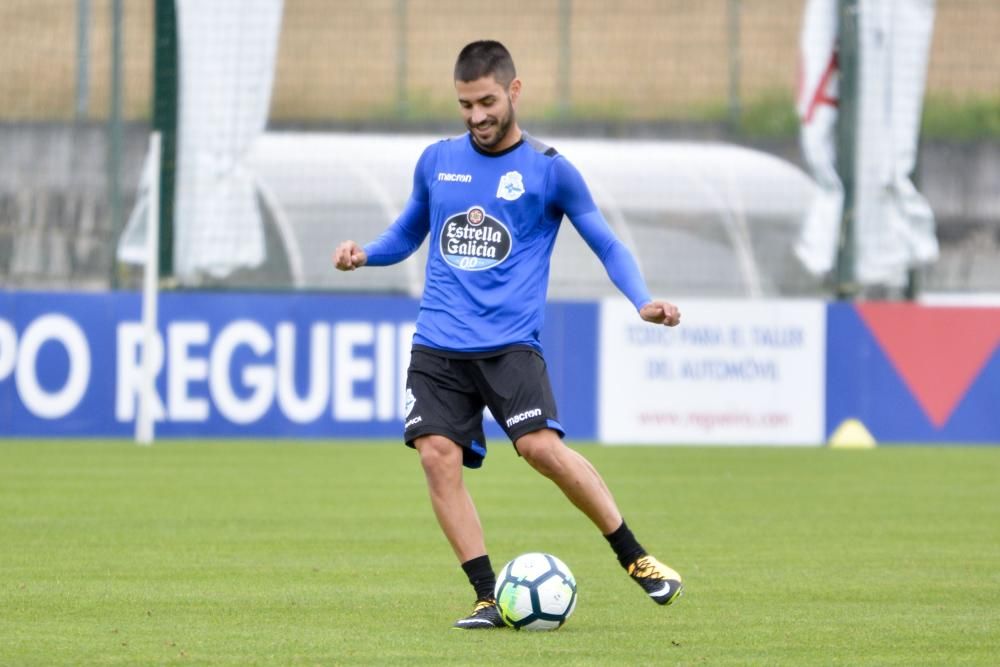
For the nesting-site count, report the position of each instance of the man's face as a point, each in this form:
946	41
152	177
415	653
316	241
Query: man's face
488	110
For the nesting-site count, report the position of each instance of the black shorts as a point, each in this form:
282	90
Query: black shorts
446	396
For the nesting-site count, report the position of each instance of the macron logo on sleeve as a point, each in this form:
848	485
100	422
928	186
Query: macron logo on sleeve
454	178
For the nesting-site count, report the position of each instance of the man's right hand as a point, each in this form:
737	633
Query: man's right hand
349	256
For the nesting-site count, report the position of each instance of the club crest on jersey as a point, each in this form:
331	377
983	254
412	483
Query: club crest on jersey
474	241
511	186
411	400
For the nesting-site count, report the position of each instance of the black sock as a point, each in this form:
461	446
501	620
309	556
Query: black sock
625	545
481	576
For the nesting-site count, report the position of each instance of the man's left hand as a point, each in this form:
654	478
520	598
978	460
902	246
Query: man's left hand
661	312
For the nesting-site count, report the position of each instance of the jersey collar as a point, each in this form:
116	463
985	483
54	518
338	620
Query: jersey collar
479	150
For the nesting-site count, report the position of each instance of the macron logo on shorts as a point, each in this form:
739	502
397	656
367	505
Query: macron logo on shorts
523	416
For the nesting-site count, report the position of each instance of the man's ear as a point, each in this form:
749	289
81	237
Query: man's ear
514	90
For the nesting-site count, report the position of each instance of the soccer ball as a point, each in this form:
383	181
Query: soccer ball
535	591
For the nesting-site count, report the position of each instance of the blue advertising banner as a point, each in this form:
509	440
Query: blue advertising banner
330	366
242	364
914	374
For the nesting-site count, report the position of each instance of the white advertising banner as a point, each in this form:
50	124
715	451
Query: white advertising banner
228	50
227	57
733	372
894	224
817	111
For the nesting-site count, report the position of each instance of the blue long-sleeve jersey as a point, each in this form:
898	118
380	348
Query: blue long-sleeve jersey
493	220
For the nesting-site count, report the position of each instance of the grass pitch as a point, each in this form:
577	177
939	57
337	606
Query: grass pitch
249	553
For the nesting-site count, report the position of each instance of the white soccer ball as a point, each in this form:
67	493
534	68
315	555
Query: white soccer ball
535	591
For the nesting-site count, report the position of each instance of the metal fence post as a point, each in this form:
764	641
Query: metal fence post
82	107
735	63
402	56
166	80
115	142
564	88
847	132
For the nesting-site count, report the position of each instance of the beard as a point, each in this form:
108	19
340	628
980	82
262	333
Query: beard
501	128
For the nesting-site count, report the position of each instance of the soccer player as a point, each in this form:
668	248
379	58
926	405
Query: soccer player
492	201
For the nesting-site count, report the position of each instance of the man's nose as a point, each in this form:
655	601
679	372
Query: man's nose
478	115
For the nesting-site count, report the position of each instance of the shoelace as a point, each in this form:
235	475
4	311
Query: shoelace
482	604
646	567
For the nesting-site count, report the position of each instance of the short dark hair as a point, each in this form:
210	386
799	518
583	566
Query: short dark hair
485	58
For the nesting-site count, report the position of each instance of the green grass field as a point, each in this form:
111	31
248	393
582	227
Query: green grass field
250	553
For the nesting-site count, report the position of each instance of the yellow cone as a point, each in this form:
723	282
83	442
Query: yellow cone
851	434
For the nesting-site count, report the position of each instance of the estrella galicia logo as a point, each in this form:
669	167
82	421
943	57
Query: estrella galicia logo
474	241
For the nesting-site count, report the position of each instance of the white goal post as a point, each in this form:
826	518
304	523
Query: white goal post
145	419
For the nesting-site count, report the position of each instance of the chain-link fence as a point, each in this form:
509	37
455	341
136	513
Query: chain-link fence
76	91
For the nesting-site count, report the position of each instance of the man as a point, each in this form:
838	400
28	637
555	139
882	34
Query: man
492	201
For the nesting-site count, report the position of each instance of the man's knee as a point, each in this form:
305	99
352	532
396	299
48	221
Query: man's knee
542	450
438	453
